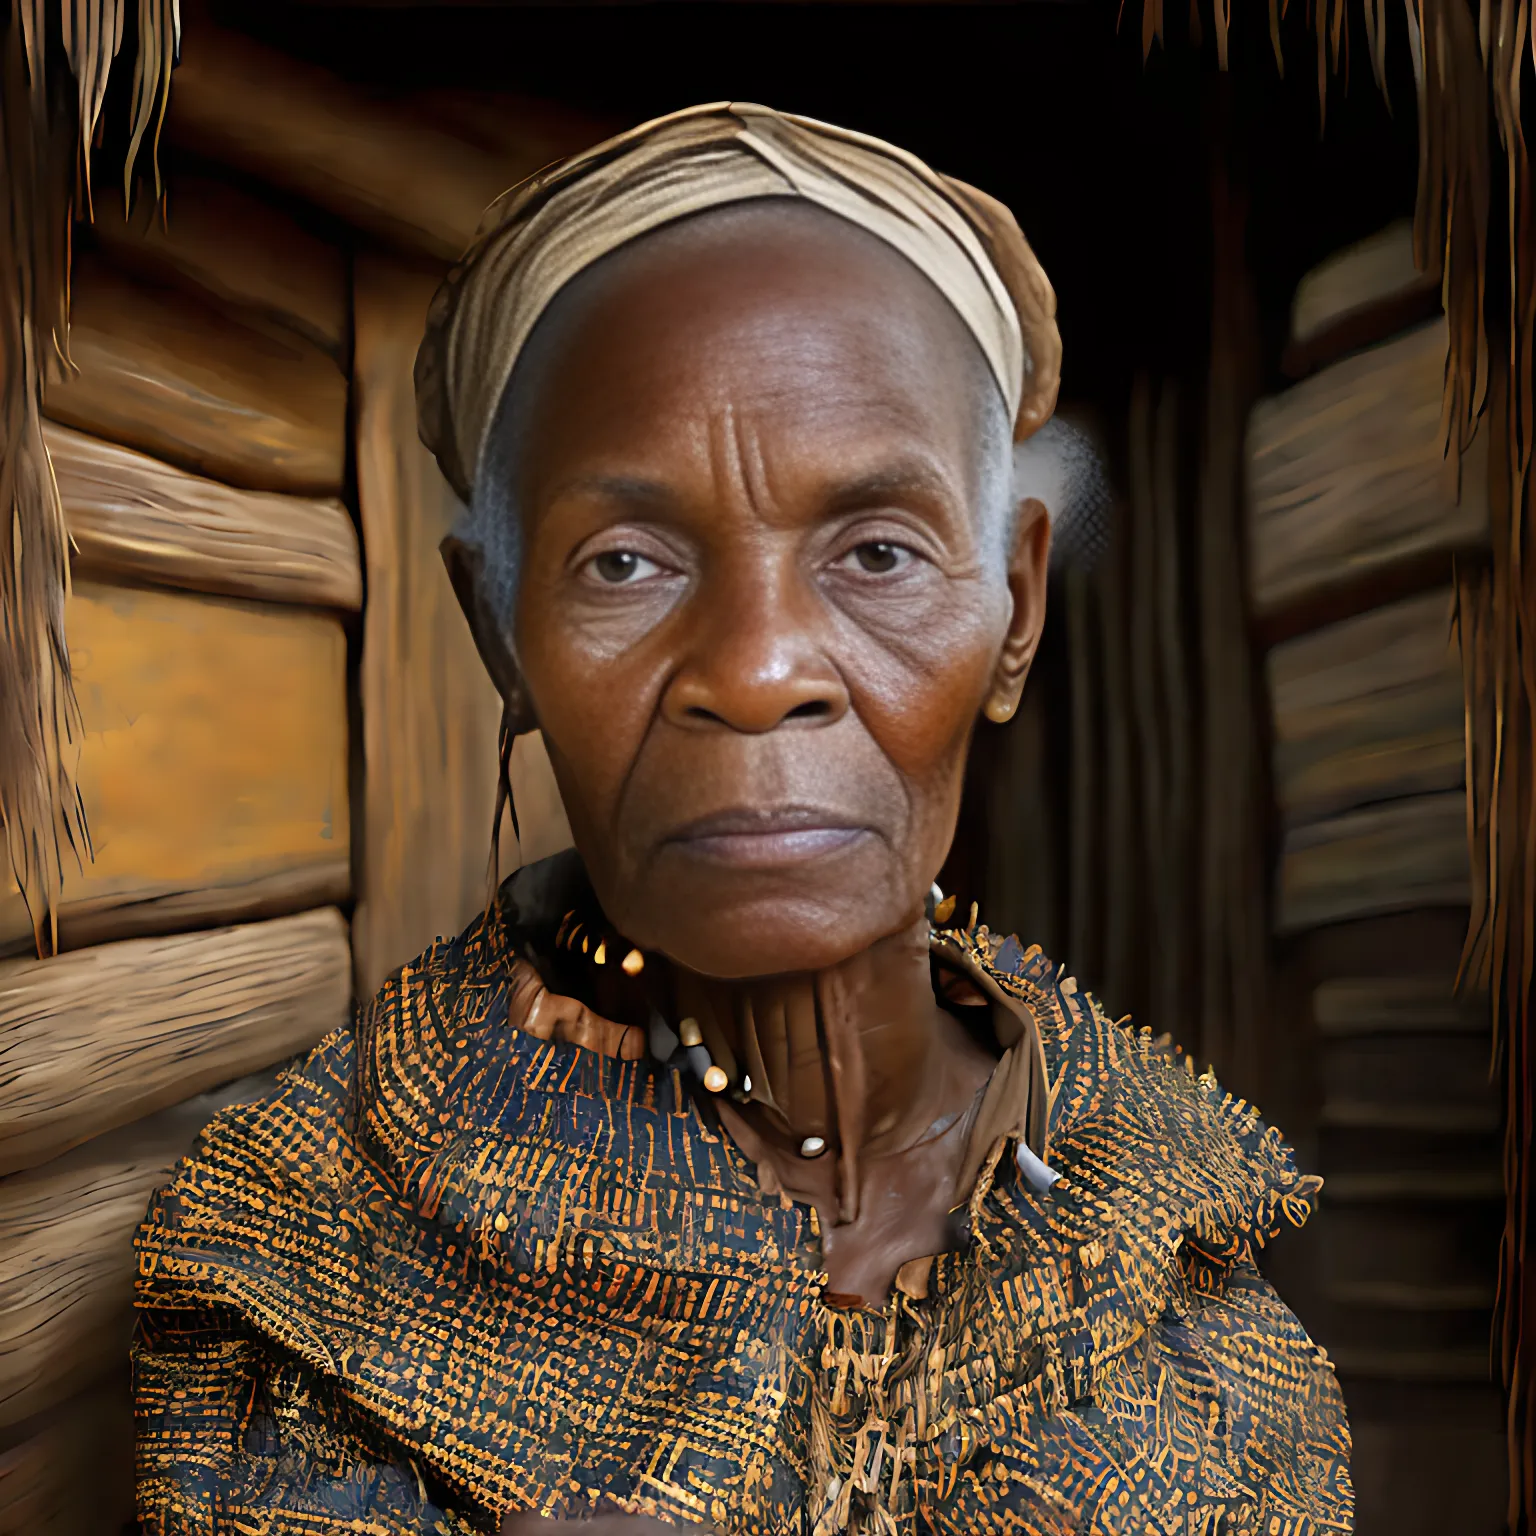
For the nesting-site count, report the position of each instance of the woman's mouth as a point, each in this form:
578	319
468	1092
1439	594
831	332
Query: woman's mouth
767	839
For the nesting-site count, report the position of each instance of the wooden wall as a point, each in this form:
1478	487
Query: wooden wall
201	452
268	661
1356	516
430	714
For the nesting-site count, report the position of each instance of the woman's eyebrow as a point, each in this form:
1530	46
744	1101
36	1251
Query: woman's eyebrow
634	490
890	482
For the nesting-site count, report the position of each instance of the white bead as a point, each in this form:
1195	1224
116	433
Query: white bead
663	1041
813	1146
1039	1176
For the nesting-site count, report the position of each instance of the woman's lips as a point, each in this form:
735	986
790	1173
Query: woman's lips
763	839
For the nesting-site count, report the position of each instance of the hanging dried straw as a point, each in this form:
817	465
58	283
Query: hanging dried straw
1495	617
55	60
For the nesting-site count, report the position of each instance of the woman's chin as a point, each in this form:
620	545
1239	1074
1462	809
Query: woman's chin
774	947
733	923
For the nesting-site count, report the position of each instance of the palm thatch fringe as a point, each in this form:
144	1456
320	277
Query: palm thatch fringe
55	60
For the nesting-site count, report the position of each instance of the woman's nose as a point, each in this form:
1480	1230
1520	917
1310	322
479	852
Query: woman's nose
755	659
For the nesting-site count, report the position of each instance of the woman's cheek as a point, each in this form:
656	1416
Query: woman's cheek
923	711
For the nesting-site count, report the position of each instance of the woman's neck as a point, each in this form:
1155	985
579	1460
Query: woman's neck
858	1059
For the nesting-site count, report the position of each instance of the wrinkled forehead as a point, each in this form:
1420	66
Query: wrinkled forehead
775	293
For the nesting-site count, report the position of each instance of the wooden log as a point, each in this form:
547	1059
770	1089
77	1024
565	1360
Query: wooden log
1456	1187
1425	1120
130	515
1437	1366
1362	328
66	1252
300	127
70	1473
1369	709
1375	1238
430	713
1426	1460
1409	1330
163	371
1407	1296
1346	474
1349	1006
1430	1071
251	257
93	1040
213	765
1388	858
1409	1152
1372	272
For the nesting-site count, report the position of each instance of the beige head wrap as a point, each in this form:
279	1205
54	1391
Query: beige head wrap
537	237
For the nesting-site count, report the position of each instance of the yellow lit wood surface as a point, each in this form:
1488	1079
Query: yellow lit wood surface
131	515
161	371
213	766
98	1038
430	713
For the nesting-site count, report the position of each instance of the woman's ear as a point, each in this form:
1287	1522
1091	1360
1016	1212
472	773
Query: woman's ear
1028	564
465	563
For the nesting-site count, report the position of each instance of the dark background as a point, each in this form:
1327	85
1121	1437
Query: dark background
1049	106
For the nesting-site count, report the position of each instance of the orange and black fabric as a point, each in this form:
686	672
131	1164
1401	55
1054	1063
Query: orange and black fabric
448	1270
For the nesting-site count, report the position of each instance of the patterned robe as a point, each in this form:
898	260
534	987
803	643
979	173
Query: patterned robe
447	1271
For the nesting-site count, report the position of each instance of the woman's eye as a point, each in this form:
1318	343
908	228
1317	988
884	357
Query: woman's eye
618	566
879	558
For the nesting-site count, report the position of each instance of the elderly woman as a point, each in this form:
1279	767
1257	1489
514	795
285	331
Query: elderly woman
726	1174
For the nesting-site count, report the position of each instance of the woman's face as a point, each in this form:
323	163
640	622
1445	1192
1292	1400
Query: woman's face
770	576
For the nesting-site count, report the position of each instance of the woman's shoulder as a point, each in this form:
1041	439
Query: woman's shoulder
1167	1190
1138	1132
458	1100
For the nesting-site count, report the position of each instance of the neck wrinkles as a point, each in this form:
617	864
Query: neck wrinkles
859	1055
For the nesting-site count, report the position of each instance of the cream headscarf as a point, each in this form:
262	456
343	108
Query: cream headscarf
537	237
